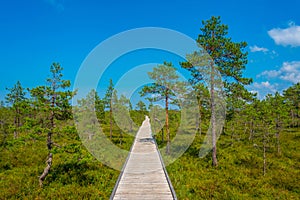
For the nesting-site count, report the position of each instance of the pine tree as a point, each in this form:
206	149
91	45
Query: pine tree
141	106
279	115
86	115
218	54
292	96
165	80
5	119
55	100
17	99
100	108
109	104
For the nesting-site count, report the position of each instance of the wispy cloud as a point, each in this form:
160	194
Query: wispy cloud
287	37
270	73
289	71
57	4
266	51
265	86
258	49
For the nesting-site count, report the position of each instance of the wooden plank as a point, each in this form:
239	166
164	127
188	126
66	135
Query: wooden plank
144	176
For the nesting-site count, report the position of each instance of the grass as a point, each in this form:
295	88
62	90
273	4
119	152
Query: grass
75	174
239	174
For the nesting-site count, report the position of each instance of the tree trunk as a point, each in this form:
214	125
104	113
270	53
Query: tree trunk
49	140
18	118
278	142
110	118
46	170
264	155
167	125
293	119
298	114
199	129
265	142
213	118
15	131
251	129
278	128
52	112
197	123
16	122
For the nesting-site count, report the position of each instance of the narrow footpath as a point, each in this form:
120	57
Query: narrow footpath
144	175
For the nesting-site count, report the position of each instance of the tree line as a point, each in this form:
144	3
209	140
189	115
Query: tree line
39	109
218	62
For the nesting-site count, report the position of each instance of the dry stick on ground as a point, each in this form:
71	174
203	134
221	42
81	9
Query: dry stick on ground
46	170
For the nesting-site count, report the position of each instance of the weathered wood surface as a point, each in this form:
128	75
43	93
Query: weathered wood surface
143	176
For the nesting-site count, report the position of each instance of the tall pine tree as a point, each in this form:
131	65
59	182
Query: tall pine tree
165	80
218	54
109	104
17	99
56	101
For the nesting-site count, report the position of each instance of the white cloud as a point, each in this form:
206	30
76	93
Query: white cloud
263	88
289	71
267	86
258	49
269	73
266	51
288	36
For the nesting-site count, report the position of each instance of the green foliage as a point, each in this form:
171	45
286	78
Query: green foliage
137	117
99	108
16	95
165	80
109	94
19	103
239	174
165	88
56	93
141	106
219	63
75	174
258	153
292	96
227	55
52	102
157	117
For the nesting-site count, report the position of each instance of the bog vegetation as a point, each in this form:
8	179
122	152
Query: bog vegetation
256	156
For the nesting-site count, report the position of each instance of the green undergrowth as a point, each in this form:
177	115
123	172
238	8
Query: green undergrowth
239	174
75	173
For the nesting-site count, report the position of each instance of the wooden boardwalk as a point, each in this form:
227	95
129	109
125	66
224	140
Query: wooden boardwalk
143	175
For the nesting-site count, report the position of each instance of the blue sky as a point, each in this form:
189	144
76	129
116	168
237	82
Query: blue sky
35	33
